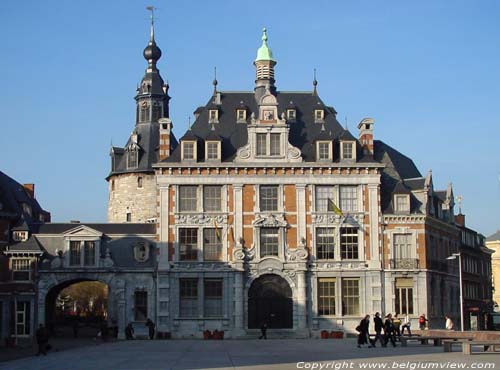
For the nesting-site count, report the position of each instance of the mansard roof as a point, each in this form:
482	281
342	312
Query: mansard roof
105	228
32	245
303	130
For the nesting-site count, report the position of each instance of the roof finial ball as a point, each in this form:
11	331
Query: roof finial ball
152	52
214	82
315	83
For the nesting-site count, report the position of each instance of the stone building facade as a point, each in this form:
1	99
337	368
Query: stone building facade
493	243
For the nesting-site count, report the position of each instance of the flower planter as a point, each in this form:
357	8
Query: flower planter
336	335
207	334
218	335
324	334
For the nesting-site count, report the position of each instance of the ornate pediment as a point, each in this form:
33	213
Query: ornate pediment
83	231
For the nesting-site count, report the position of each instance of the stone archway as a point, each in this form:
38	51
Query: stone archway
270	299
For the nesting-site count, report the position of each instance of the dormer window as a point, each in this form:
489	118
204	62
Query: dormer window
348	150
188	150
291	114
241	115
402	203
213	116
20	236
319	115
268	145
212	150
132	158
324	150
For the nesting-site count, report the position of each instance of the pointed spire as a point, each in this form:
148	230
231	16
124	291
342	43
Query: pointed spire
264	53
214	82
152	32
315	83
152	52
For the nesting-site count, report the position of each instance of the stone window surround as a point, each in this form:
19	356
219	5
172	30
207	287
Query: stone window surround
395	202
336	197
199	199
11	263
281	198
402	230
213	116
336	234
20	236
80	238
330	151
353	148
338	293
195	151
218	150
291	114
319	115
199	248
391	300
241	115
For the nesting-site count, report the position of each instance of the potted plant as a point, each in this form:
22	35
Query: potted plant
336	334
324	334
207	334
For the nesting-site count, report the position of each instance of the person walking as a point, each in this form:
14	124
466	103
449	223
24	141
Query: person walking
129	331
448	323
378	325
397	325
406	325
422	321
151	327
263	330
42	339
389	331
363	329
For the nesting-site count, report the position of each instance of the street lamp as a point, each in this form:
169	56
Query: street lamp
452	257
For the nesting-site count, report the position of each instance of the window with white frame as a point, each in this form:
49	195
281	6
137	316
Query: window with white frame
324	149
133	157
82	253
188	244
349	243
326	296
188	199
212	244
319	115
324	198
212	302
140	305
213	116
261	144
347	150
349	198
269	241
325	243
188	291
402	246
241	114
404	296
291	114
268	198
275	145
268	144
350	296
188	150
212	149
402	202
212	201
23	318
21	269
20	236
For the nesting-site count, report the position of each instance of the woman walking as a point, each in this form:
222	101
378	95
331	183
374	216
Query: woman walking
362	328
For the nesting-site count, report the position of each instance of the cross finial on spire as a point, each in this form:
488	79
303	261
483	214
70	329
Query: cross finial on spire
152	10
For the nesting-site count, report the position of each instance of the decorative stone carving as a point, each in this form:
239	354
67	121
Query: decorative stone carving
298	254
141	251
270	220
57	261
108	261
290	273
200	219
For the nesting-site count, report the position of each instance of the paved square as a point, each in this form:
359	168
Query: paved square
248	354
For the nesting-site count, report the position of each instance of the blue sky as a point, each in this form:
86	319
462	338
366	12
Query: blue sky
426	71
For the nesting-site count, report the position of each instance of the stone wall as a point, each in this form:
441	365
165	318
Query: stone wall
495	268
126	196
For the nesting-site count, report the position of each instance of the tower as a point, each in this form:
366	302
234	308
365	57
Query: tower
132	187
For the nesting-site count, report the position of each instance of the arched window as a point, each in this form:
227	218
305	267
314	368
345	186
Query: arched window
139	182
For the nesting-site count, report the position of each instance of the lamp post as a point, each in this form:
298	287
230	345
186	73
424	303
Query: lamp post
452	257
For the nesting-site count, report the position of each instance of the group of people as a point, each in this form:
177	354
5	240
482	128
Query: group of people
392	326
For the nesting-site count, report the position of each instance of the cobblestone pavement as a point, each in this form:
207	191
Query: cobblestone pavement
249	354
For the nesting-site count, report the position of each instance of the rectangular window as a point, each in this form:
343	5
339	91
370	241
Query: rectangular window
402	246
268	198
187	198
129	217
242	115
326	296
188	244
145	113
350	296
212	244
21	269
140	305
261	144
23	318
188	150
132	158
275	144
89	253
156	112
349	243
269	241
212	150
347	150
188	289
290	114
213	115
318	114
404	296
323	150
349	198
212	303
212	201
402	203
75	253
324	198
325	243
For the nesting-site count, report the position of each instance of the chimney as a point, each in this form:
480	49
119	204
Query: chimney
30	188
165	134
366	135
460	219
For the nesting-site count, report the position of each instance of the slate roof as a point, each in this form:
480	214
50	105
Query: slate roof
32	245
303	130
109	229
494	237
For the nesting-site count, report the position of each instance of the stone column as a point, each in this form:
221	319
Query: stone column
164	225
373	208
301	300
301	212
238	303
238	212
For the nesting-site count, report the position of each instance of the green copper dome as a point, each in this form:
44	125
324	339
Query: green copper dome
264	53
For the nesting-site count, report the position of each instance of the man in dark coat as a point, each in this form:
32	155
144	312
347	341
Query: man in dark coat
151	327
42	339
263	330
389	331
378	324
363	331
129	331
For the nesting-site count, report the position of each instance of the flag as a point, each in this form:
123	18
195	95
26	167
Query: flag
217	231
334	207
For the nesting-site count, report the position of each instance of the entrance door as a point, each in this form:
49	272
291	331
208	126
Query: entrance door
270	300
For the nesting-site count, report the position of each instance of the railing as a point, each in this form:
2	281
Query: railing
404	263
